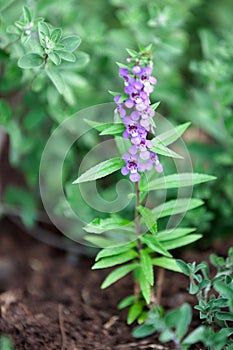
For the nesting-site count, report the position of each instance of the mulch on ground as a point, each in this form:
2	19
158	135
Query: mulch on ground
51	300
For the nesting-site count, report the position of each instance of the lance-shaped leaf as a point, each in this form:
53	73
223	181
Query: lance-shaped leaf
160	148
115	250
172	135
154	106
113	129
134	312
100	126
182	241
101	170
166	263
147	266
145	286
118	274
115	260
176	206
113	223
149	219
127	301
167	235
101	242
153	244
177	181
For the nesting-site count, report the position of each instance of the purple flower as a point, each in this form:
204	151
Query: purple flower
131	167
137	70
155	160
137	114
123	72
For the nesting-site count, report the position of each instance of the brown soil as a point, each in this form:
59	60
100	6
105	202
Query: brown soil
51	300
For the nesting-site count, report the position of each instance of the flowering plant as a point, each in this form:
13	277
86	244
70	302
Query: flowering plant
143	247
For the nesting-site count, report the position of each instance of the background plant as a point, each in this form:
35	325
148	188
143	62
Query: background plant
214	296
40	69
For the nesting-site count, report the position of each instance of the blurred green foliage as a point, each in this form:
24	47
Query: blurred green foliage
192	46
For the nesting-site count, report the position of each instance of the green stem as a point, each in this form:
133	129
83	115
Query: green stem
137	217
137	288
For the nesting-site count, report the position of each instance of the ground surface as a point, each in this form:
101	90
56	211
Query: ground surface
48	301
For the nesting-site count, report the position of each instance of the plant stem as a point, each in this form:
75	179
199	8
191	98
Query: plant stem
137	218
137	288
159	288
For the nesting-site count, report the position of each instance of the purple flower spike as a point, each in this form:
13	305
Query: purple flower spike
136	114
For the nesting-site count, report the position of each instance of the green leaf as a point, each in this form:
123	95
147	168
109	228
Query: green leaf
27	14
224	290
159	148
13	29
19	25
154	106
182	241
145	286
30	60
71	43
106	128
5	112
100	241
172	135
56	35
176	206
224	316
56	78
193	288
82	59
113	223
114	93
166	263
55	58
122	65
43	28
5	343
183	267
167	235
67	56
183	322
113	129
197	335
126	302
115	260
134	312
97	125
177	181
147	267
117	274
149	219
114	251
153	244
101	170
144	330
132	53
